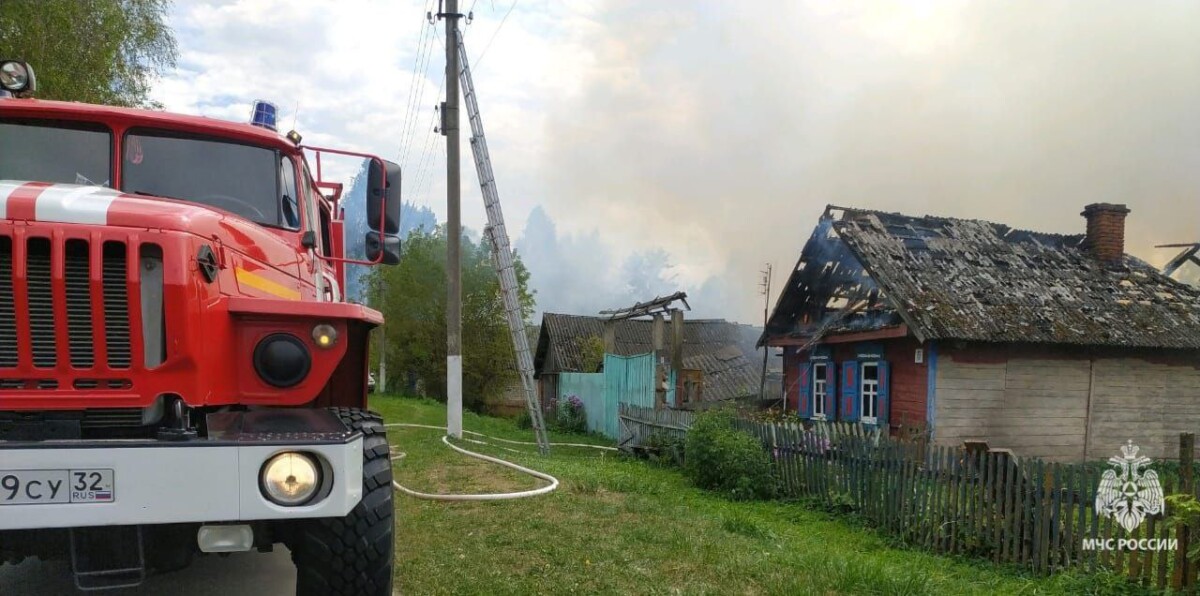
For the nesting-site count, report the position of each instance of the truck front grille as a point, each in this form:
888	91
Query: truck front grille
41	303
116	305
8	313
112	418
63	309
79	304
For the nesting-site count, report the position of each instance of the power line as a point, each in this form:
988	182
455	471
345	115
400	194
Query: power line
430	128
419	98
424	162
412	84
478	58
422	176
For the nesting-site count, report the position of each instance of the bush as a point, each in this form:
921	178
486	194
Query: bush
665	449
571	416
728	461
524	420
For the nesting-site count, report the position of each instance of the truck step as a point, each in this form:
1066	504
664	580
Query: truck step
104	558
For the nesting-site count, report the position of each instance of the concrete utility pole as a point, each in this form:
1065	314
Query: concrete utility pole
453	228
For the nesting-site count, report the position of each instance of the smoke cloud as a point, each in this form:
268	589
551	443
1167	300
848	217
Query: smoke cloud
717	132
581	274
707	136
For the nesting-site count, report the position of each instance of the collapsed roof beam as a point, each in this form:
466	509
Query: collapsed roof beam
660	304
1188	255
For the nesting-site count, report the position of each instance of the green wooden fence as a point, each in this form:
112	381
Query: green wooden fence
589	388
625	380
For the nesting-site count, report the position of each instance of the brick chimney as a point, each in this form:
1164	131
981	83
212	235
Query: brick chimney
1105	230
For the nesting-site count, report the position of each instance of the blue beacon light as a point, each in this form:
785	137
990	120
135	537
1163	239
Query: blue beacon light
263	114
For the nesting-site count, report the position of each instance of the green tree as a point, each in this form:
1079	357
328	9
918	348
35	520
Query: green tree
414	304
94	51
591	350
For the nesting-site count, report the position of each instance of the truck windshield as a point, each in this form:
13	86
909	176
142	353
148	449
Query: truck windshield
241	179
44	151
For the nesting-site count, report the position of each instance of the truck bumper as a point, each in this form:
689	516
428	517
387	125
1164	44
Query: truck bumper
205	480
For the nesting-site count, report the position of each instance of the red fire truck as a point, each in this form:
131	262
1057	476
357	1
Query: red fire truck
179	371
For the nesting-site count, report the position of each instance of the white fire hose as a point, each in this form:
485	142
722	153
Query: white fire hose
491	496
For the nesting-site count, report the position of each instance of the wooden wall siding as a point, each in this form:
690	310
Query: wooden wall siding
1036	408
791	377
548	393
1148	402
1040	407
909	382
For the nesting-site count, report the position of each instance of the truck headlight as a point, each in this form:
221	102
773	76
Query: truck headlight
290	479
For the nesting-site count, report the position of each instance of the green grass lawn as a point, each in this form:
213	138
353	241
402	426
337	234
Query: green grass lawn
622	526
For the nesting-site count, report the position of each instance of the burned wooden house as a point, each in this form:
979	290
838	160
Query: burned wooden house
1057	346
712	365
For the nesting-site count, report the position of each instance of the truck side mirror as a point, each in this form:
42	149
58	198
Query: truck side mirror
383	203
386	246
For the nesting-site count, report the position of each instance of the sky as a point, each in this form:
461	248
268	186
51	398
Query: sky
644	147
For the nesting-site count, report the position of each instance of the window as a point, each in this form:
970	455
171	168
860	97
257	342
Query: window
820	390
241	179
326	230
287	189
55	151
869	392
310	203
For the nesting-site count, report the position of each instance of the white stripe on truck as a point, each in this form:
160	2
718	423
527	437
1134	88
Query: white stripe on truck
75	204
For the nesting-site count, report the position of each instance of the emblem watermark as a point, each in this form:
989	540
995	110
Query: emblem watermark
1130	496
1128	544
1128	493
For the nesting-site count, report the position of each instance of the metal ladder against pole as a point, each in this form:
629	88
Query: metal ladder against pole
501	251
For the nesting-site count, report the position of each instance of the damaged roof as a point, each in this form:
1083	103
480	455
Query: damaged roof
710	345
981	281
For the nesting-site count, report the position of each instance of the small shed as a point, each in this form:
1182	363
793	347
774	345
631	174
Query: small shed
713	358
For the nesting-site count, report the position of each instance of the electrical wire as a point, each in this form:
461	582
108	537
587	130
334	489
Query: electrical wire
412	84
486	496
419	100
479	58
423	163
417	95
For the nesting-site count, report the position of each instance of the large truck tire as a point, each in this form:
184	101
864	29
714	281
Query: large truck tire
353	555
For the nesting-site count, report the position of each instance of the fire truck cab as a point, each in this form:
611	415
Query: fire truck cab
180	374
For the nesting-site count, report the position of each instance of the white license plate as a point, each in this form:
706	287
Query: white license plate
36	487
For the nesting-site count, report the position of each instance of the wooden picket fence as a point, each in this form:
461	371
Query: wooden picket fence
985	504
1026	512
641	426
